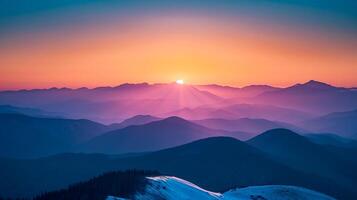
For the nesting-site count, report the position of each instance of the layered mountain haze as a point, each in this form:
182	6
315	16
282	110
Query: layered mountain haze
332	139
246	125
341	123
295	151
216	164
114	104
234	92
27	111
111	104
313	96
217	137
230	111
24	136
178	100
152	136
136	120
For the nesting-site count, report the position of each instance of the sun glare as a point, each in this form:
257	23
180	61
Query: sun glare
180	82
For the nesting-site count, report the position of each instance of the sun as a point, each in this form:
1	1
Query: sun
180	81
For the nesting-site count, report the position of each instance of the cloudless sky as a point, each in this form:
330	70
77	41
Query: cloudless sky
75	43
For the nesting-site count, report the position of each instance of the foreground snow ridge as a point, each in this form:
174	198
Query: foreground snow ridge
173	188
169	187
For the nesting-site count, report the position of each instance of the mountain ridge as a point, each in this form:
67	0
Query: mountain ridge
156	135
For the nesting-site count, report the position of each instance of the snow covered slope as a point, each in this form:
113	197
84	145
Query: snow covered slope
173	188
274	192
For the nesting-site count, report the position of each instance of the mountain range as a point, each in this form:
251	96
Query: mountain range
8	109
139	185
341	123
217	137
25	136
296	150
313	96
245	125
236	111
332	140
114	104
217	164
136	120
153	136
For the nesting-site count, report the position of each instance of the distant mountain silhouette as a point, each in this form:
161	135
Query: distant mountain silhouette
220	163
219	90
136	120
25	136
27	111
253	90
313	85
216	164
332	139
312	96
234	92
235	111
201	112
245	124
153	136
344	148
114	104
300	153
341	123
111	104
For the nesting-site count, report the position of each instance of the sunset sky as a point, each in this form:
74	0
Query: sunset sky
68	43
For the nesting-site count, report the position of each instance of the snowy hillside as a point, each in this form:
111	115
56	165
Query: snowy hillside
274	192
173	188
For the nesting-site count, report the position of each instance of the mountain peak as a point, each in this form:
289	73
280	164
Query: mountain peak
312	85
178	122
280	134
175	119
137	120
137	117
317	85
128	85
267	87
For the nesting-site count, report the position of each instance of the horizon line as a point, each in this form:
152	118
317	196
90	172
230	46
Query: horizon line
162	83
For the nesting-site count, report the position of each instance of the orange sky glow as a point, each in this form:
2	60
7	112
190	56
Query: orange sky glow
199	51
